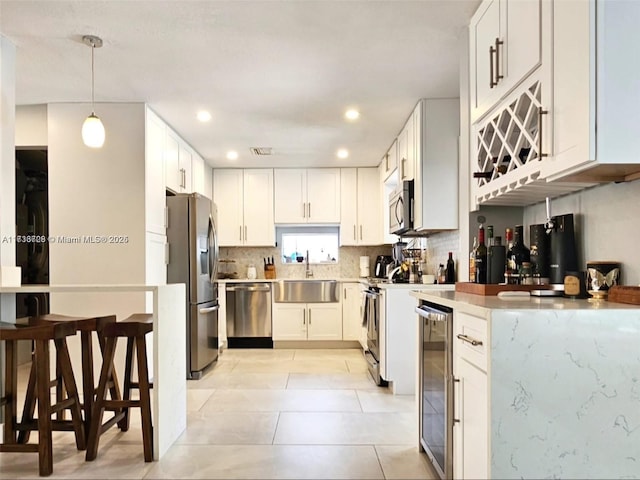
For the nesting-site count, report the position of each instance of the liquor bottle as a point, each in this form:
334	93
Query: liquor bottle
451	270
519	253
509	271
442	274
481	258
489	245
472	261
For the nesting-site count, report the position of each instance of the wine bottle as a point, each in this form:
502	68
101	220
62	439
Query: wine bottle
472	261
481	258
451	270
489	245
509	271
519	253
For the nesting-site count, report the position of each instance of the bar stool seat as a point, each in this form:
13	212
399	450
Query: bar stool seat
86	326
134	328
41	333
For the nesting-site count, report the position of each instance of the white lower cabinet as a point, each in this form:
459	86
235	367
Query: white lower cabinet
352	328
471	431
307	321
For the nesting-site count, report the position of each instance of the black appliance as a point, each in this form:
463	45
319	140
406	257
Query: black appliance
401	209
562	243
383	264
539	242
436	386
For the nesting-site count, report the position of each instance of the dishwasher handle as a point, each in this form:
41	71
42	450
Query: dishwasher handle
248	289
209	309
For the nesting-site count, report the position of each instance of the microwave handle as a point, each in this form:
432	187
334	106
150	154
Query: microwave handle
398	203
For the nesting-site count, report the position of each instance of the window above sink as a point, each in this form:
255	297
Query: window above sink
322	243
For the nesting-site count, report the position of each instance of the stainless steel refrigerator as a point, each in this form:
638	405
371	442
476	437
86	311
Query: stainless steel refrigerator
193	260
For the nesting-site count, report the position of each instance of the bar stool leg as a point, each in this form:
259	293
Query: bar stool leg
88	387
11	387
98	406
59	386
66	371
30	399
126	388
145	398
45	447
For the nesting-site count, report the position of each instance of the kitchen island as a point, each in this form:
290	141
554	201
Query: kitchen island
561	385
167	354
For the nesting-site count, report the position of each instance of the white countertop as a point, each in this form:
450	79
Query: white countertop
271	280
481	304
78	288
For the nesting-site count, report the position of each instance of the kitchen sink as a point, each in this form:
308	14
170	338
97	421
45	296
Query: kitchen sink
305	291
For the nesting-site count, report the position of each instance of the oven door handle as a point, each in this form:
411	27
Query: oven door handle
371	294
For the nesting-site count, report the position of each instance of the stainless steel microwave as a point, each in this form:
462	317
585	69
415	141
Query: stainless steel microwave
401	209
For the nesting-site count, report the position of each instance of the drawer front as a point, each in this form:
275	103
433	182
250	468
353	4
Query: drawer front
471	339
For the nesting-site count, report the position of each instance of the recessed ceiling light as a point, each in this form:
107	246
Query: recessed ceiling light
343	153
232	155
352	114
204	116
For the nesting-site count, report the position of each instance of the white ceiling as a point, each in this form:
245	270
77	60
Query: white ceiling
272	73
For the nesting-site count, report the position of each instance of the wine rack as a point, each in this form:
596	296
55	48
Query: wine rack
509	148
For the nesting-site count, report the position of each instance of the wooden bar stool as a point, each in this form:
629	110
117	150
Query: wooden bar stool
86	326
134	329
41	333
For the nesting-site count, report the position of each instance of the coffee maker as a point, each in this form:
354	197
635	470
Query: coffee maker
562	243
397	253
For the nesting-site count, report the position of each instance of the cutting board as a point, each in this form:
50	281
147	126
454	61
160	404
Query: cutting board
494	288
622	294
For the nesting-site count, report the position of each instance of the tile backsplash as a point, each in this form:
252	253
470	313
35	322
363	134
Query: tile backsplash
607	223
348	265
438	247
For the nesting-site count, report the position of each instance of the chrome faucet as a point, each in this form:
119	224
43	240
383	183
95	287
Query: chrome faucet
308	272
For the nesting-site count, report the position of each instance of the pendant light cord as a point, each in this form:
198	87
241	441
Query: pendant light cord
93	110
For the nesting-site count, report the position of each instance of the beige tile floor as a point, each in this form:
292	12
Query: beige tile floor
265	414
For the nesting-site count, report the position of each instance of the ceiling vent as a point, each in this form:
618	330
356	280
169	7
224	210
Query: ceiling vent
261	151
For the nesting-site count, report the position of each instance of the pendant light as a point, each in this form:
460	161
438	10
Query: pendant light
92	128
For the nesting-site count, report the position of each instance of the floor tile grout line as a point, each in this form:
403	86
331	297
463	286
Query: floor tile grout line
275	430
375	449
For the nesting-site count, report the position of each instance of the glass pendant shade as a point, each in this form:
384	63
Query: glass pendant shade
93	132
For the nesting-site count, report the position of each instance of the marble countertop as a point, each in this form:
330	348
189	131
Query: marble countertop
480	305
271	280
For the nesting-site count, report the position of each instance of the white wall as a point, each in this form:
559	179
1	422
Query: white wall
31	126
607	221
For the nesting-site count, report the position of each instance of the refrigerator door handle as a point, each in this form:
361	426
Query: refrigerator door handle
212	252
209	309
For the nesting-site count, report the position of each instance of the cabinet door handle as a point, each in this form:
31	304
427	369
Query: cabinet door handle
246	237
304	316
240	237
309	207
360	232
345	293
304	210
468	339
354	231
309	316
453	399
497	50
402	162
541	112
491	82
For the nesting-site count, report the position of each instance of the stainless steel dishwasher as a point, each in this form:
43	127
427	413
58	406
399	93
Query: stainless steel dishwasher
249	315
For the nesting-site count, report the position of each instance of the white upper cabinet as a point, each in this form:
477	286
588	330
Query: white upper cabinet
177	163
595	91
198	178
505	46
407	151
259	228
184	159
437	125
307	196
244	201
389	162
361	208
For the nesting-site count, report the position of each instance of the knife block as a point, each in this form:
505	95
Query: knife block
269	272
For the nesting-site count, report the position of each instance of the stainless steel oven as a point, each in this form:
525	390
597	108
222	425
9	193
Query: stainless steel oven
436	386
372	310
